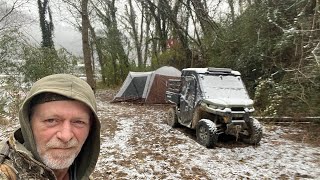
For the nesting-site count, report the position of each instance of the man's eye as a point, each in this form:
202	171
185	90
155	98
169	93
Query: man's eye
80	123
51	121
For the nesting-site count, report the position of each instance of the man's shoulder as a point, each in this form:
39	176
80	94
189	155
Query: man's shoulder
4	150
6	169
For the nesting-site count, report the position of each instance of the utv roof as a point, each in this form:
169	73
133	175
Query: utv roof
213	70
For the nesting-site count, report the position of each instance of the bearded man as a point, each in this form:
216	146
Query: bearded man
59	134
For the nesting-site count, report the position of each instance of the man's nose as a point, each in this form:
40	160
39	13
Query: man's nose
65	133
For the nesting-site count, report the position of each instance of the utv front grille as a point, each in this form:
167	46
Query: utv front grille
237	109
237	118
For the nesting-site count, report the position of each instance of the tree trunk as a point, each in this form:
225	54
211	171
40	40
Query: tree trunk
100	55
147	30
46	27
231	5
85	44
132	21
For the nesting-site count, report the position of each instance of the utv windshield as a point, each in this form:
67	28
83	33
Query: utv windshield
223	86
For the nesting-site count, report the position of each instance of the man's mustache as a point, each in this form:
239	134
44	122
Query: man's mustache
55	143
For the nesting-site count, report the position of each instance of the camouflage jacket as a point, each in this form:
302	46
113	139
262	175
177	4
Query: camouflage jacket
18	163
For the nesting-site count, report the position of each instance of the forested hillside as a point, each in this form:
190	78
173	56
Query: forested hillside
274	44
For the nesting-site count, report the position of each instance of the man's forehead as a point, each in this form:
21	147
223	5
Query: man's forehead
61	107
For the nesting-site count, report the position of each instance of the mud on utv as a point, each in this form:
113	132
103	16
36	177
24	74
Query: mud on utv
213	101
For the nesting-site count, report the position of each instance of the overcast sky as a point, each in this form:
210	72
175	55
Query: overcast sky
65	35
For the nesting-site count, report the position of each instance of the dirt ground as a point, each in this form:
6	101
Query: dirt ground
138	144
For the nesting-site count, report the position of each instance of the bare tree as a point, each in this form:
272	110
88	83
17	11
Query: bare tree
113	39
164	14
101	57
9	14
131	14
232	11
209	27
86	45
79	11
45	25
147	16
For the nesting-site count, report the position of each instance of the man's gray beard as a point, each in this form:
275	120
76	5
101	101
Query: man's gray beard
60	161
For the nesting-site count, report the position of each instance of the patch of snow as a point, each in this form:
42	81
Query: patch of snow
172	154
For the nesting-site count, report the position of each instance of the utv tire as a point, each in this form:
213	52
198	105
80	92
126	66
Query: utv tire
254	132
206	131
172	118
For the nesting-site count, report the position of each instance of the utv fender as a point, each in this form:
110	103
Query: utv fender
197	115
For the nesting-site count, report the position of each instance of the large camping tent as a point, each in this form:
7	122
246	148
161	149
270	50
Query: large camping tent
147	87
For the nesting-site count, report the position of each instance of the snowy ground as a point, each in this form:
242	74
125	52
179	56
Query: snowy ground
137	144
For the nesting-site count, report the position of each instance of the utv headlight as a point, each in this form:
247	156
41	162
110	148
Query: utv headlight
249	109
216	107
213	106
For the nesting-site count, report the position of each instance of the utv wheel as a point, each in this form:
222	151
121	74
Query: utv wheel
207	133
254	134
172	118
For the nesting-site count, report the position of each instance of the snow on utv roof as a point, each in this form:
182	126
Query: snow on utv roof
212	70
